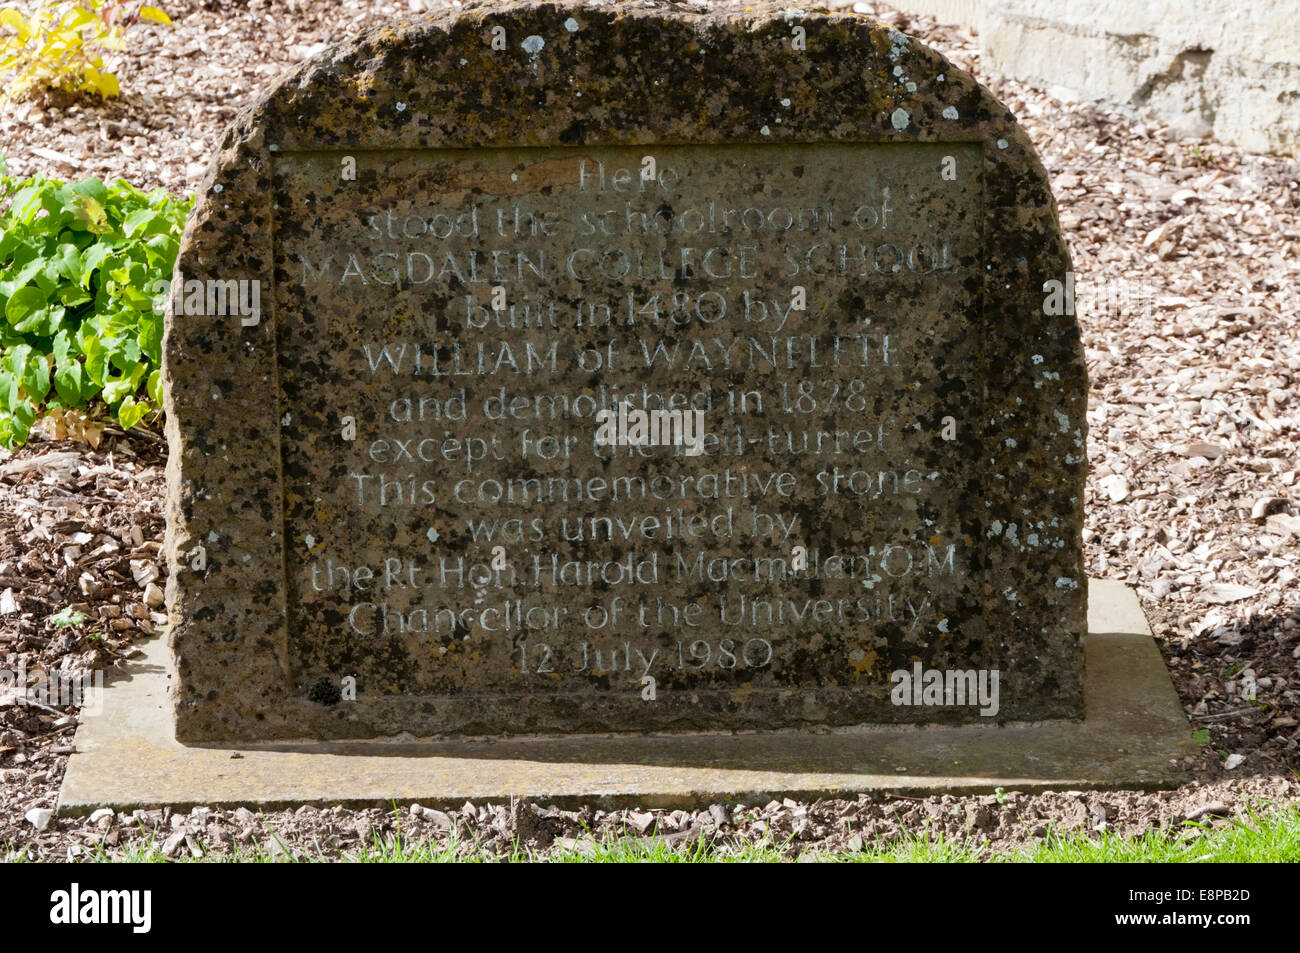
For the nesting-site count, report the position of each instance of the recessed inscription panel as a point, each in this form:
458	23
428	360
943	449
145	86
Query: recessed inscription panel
559	421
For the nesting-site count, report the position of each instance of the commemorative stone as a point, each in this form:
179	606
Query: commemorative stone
623	367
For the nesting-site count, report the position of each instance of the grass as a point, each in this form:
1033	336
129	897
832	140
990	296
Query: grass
1262	836
1258	838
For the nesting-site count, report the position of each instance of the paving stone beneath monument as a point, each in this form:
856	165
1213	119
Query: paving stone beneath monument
128	758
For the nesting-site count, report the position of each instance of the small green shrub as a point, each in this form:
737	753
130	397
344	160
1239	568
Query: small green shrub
77	265
59	45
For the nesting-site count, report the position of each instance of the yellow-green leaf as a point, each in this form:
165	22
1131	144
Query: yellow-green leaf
154	15
15	21
77	17
89	212
106	83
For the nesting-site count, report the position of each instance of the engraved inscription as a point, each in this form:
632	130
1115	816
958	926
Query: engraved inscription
703	415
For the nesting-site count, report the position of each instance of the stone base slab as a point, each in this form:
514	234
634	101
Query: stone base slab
127	757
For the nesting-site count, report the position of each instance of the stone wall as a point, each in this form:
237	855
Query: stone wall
1220	68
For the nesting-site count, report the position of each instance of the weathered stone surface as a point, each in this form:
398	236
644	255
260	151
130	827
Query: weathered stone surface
383	192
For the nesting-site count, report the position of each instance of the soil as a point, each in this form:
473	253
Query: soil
1185	256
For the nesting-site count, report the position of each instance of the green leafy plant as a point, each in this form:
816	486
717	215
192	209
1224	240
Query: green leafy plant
60	45
1201	736
1202	158
78	265
68	616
